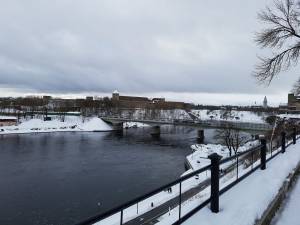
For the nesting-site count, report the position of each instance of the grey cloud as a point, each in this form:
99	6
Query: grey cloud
131	45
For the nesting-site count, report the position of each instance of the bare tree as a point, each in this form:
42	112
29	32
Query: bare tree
224	137
282	35
233	139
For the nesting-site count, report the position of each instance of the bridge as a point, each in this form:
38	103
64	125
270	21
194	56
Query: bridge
216	124
254	128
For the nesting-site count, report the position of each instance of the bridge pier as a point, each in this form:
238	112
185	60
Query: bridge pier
200	136
155	131
118	127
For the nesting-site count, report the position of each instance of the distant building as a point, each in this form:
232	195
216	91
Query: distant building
47	97
293	102
89	98
265	103
283	107
8	121
133	98
144	102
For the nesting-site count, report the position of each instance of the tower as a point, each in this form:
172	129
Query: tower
265	103
115	96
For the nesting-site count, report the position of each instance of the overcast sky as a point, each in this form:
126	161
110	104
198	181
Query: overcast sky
181	49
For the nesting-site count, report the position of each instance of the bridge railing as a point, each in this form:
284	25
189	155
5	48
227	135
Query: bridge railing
179	200
209	123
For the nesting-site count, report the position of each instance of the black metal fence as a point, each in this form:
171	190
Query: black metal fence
179	200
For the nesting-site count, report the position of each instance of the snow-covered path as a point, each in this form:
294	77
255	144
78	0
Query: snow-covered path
290	213
247	201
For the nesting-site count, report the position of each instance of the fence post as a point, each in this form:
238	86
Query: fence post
294	135
282	142
263	153
180	200
121	217
214	193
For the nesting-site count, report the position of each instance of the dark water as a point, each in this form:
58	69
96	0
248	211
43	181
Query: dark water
62	178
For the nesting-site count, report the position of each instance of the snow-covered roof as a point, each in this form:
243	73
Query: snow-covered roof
8	118
115	92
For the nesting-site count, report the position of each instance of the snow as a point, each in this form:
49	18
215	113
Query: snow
161	114
74	113
145	205
8	118
134	125
233	115
95	124
289	116
71	123
199	157
246	201
290	214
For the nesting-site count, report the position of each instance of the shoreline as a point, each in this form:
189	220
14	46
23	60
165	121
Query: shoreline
70	124
59	131
93	124
198	158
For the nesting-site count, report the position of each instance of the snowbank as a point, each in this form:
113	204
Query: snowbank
71	123
95	124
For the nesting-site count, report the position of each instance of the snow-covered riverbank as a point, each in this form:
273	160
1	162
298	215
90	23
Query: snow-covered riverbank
71	123
199	156
234	116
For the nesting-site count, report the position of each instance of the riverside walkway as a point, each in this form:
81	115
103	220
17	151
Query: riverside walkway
247	201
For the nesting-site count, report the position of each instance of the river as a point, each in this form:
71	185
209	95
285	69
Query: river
63	178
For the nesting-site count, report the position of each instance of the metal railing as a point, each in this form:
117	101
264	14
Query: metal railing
190	193
190	122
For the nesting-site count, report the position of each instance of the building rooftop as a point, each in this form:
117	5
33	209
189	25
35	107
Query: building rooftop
8	118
